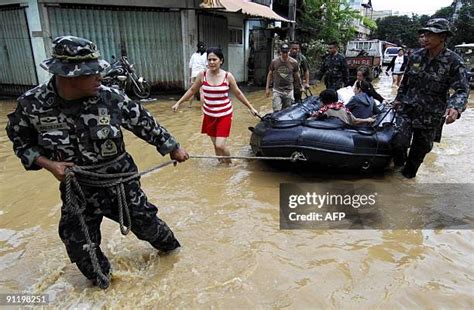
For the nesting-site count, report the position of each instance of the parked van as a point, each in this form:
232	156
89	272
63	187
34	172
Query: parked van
389	53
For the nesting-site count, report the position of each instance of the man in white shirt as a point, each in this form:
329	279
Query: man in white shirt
197	63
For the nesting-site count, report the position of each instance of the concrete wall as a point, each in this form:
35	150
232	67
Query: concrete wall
37	42
236	52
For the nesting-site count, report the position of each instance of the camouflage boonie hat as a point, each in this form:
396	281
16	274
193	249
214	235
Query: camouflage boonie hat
74	56
437	25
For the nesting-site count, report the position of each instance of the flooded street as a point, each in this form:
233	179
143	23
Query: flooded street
227	218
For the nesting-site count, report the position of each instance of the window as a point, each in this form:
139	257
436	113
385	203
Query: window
392	50
235	36
264	2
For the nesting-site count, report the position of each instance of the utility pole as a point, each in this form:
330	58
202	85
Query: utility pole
292	16
457	7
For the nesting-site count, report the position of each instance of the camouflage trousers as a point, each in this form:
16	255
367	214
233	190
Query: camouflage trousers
297	93
418	140
103	202
334	83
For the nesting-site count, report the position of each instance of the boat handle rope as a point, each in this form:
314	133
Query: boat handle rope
295	156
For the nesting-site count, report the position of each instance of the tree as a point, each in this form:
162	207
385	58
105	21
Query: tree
463	26
322	21
401	30
328	20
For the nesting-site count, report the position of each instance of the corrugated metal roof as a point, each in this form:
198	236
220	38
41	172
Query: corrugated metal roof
244	7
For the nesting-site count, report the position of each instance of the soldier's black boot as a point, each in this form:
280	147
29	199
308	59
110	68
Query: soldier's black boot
409	170
86	267
103	283
399	157
166	247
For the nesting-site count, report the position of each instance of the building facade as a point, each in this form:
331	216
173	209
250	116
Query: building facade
158	37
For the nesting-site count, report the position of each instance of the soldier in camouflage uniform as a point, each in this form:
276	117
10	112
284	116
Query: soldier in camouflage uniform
295	52
423	99
73	120
334	68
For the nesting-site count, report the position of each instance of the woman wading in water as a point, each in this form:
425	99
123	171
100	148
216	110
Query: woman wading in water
215	84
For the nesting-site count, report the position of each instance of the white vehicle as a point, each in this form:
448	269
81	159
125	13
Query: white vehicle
466	51
367	53
389	53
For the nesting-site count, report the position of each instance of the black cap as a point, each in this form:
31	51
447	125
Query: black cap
284	47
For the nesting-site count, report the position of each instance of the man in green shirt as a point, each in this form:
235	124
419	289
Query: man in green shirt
295	52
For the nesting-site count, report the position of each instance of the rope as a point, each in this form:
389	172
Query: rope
366	167
75	202
293	158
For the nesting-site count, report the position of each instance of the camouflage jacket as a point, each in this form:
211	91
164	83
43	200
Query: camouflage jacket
302	65
424	90
86	131
334	68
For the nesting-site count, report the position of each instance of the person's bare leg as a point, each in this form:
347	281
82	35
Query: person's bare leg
399	79
221	149
213	139
192	98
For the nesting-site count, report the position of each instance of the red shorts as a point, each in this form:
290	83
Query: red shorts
217	126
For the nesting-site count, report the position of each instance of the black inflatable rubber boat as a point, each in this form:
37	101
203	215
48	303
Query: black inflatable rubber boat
327	142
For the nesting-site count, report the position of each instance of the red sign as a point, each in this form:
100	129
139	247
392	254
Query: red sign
358	61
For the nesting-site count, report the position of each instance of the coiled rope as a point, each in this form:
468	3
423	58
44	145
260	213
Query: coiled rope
75	201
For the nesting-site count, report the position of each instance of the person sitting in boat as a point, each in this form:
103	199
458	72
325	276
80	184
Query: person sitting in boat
362	105
363	74
332	108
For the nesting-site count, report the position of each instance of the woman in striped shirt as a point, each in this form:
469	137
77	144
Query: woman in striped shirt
215	84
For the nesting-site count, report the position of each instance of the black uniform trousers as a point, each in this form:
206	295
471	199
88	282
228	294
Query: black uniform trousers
418	140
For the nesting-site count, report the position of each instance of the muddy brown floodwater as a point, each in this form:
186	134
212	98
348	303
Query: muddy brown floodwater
227	218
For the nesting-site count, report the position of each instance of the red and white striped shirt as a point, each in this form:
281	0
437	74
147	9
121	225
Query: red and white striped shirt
216	101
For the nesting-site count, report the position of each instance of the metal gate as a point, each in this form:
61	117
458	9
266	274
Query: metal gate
151	39
260	55
214	32
17	68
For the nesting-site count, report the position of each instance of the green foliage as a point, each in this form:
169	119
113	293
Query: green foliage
327	20
369	23
403	30
463	26
314	50
445	12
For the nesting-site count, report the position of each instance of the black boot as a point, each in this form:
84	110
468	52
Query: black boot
86	267
409	170
102	283
399	157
